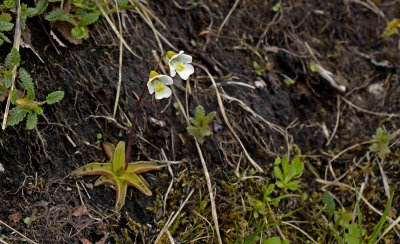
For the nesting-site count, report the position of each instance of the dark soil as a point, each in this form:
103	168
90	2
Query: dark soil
344	37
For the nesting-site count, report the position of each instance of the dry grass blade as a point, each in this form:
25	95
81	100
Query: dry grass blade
19	233
369	112
172	219
143	13
16	44
221	106
384	179
337	122
121	50
206	174
299	229
226	18
115	29
150	24
371	6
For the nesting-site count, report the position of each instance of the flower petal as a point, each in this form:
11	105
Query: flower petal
184	58
172	69
164	93
166	80
151	85
176	55
186	72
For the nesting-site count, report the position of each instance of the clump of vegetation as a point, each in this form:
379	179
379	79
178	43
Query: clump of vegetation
120	172
381	142
288	171
200	127
23	99
343	226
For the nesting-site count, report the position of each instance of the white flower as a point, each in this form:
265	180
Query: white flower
180	63
158	83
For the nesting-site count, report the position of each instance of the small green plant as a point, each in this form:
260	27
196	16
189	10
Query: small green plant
352	233
24	98
257	207
381	142
200	122
82	13
392	27
314	67
288	172
260	69
114	172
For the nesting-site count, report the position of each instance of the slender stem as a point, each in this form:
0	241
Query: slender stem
129	146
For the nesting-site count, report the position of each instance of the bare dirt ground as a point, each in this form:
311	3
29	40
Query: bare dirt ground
252	52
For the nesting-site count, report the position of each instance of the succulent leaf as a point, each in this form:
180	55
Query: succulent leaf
114	173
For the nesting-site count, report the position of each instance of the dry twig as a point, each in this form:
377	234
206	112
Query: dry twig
16	44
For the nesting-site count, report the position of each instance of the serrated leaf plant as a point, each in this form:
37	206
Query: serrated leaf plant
81	13
23	99
200	127
287	172
381	142
114	173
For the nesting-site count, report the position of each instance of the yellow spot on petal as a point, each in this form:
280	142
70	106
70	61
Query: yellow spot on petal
180	67
160	88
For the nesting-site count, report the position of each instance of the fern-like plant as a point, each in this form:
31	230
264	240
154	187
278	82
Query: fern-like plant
200	128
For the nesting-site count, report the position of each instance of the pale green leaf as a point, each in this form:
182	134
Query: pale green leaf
31	121
209	118
5	17
15	116
41	6
199	114
122	3
292	185
59	14
12	59
118	161
280	184
88	18
78	32
27	83
6	26
285	164
314	67
327	199
278	173
7	80
290	174
54	97
272	240
4	37
9	3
